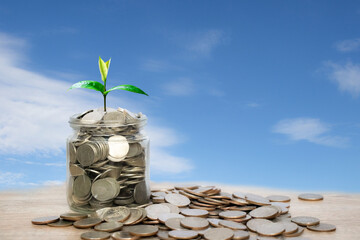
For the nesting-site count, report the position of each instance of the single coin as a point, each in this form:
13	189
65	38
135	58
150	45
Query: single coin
73	216
177	199
142	230
254	223
183	234
232	214
87	222
299	231
310	197
187	186
141	193
153	211
270	229
61	223
266	212
194	223
232	225
278	198
76	170
305	221
322	227
173	208
45	220
290	227
118	147
87	154
122	235
82	186
174	224
93	235
194	212
135	215
241	235
219	234
257	200
165	216
240	195
118	214
109	227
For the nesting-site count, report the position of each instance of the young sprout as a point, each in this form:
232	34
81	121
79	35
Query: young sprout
104	69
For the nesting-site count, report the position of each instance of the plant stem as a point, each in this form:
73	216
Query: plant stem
104	103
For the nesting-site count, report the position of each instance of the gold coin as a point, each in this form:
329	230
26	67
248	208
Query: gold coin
183	234
310	197
73	216
322	227
165	216
142	230
299	231
177	199
109	227
241	235
118	214
265	212
270	229
219	234
135	215
194	223
174	224
153	211
123	236
232	214
194	212
45	220
232	225
254	223
87	222
93	235
278	198
305	221
61	223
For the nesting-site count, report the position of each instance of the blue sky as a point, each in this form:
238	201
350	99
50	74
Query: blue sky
262	93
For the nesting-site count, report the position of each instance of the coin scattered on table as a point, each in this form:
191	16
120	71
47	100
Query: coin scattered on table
310	197
208	214
93	235
322	227
45	220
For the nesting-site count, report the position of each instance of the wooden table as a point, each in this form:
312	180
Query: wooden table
17	208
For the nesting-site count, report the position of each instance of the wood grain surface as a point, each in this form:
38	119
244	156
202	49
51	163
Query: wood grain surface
17	208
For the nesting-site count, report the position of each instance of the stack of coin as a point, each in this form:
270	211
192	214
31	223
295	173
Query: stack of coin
107	160
217	216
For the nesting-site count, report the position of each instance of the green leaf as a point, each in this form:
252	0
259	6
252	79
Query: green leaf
108	64
90	85
103	69
127	87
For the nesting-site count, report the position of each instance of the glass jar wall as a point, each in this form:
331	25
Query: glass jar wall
107	160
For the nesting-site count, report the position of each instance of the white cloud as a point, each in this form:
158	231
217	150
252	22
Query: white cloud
53	183
163	162
10	178
203	43
347	77
179	87
348	45
309	129
36	108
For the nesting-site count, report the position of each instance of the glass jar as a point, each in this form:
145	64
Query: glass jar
107	160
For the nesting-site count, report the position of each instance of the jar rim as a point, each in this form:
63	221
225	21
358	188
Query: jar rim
74	121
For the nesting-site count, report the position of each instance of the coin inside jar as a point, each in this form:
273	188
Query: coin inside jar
118	148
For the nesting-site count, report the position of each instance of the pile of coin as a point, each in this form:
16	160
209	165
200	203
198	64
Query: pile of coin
107	160
194	212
